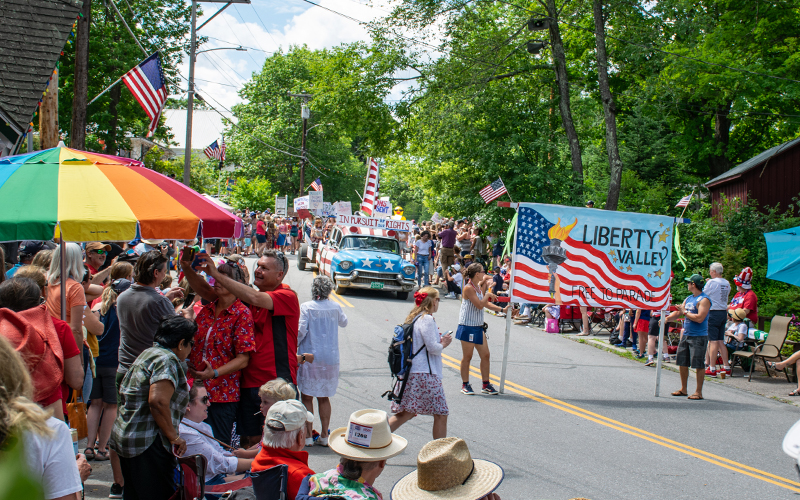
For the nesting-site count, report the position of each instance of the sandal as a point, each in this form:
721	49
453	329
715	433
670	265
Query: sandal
773	365
89	453
695	397
101	456
795	392
679	393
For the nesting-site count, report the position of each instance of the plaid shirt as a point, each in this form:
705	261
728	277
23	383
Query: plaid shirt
135	429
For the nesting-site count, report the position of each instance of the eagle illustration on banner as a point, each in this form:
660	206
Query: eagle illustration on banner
589	257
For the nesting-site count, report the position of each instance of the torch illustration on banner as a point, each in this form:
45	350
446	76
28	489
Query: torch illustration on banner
553	254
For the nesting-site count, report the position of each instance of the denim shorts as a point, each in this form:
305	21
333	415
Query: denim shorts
471	334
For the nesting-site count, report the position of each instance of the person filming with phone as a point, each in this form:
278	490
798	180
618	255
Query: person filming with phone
424	394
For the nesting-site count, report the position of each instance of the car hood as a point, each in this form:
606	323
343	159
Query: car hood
359	255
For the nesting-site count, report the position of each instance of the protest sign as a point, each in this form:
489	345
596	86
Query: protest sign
383	208
280	205
301	203
374	223
436	218
328	209
588	257
343	208
315	200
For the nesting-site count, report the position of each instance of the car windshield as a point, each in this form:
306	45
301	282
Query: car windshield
370	243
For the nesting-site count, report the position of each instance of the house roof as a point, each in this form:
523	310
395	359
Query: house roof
32	36
753	162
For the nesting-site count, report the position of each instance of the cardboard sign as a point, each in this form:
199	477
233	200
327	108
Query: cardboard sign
374	223
315	200
436	218
280	205
383	208
301	203
328	209
588	257
343	208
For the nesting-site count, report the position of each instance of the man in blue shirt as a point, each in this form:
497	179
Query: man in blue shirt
27	250
694	341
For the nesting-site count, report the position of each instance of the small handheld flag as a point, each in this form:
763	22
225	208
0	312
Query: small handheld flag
493	190
684	201
147	84
316	185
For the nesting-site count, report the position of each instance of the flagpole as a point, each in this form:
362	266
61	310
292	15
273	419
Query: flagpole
687	204
106	90
504	185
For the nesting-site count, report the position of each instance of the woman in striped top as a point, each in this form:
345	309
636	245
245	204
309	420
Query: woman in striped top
471	326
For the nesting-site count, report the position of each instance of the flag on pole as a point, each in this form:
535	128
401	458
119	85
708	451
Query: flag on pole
316	185
684	201
147	84
215	152
493	190
370	187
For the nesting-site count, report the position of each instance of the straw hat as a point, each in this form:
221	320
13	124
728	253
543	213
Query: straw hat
367	438
737	314
445	469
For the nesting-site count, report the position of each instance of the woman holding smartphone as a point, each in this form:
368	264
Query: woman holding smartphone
424	394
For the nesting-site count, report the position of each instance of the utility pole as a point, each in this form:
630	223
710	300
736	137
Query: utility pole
48	115
77	135
305	113
187	154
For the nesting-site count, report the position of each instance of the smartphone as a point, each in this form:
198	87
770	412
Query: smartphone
448	333
189	300
196	261
187	253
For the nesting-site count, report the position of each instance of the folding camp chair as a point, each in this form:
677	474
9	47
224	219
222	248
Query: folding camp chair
192	478
570	316
271	484
603	319
771	348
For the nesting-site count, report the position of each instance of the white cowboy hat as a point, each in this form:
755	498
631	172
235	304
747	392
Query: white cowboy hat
367	438
445	469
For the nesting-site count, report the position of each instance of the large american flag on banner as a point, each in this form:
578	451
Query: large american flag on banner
371	187
550	266
146	82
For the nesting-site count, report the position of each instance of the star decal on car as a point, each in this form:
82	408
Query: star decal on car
366	262
389	265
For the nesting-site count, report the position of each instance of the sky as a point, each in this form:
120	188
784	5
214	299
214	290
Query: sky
264	26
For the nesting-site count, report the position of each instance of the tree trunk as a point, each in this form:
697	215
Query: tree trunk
111	144
77	134
722	131
560	64
48	115
609	108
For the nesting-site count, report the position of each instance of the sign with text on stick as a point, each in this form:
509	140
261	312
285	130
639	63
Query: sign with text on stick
344	208
315	200
383	208
374	223
301	203
281	205
588	257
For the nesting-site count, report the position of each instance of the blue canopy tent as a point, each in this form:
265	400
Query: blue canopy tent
783	255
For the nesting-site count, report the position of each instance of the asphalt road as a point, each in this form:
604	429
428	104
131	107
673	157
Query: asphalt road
574	422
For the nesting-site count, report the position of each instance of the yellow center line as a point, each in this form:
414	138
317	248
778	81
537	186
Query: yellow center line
634	431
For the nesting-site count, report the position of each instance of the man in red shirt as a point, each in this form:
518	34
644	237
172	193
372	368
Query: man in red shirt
276	314
283	442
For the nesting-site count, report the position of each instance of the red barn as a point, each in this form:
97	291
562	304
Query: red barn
771	178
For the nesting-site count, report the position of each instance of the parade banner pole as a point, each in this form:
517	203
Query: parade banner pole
659	348
508	313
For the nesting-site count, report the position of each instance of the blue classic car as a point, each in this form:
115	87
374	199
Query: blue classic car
358	257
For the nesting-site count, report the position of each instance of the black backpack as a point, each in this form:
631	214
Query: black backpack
401	354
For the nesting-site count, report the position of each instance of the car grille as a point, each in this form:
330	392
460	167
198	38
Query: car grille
368	276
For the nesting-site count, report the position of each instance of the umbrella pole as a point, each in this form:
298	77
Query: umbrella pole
63	257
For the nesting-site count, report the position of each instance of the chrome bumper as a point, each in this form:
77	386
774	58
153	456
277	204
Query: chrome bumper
353	280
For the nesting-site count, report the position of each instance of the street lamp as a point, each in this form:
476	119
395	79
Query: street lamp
317	125
239	48
187	155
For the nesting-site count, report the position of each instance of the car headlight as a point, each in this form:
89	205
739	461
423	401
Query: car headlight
409	270
345	264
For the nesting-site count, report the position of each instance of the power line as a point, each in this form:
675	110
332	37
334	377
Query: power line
243	46
237	36
264	26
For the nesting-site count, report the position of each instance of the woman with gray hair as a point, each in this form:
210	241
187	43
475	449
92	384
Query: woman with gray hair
318	334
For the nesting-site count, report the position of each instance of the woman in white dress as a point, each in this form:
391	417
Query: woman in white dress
318	334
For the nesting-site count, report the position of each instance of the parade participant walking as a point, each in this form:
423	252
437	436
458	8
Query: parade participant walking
153	398
318	334
276	313
693	343
222	348
261	235
471	330
717	289
422	256
448	239
424	394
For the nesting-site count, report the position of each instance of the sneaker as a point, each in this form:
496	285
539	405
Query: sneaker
116	491
322	441
489	389
666	358
467	389
650	362
628	343
450	295
309	442
711	372
728	370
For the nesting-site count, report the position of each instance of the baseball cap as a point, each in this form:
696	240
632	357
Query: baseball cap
96	245
698	280
288	415
31	247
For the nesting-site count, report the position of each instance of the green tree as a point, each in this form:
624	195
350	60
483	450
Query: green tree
255	194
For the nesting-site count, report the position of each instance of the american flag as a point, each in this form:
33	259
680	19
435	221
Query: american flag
585	266
215	152
316	185
684	201
146	82
493	190
371	187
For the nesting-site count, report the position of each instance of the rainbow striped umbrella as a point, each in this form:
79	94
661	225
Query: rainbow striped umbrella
90	196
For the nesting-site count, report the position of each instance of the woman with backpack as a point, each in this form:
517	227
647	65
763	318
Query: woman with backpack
424	394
